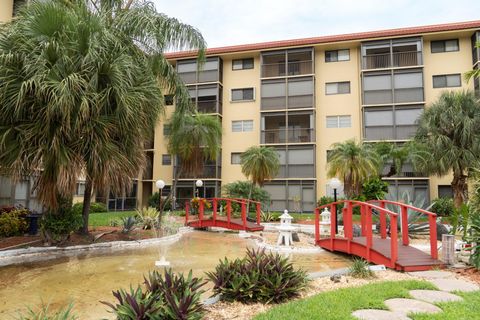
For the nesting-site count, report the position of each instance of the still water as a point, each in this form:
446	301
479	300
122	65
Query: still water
90	278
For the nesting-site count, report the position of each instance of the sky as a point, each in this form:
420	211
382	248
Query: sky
224	23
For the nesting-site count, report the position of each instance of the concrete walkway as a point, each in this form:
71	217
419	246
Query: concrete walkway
423	300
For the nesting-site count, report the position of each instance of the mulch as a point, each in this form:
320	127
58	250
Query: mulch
471	273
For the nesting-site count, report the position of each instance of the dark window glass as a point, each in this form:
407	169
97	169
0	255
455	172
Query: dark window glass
242	94
337	87
444	46
447	81
166	159
235	158
168	100
242	64
166	129
445	191
337	55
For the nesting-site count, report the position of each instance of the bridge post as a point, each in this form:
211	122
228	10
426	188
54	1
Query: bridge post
229	211
244	214
187	209
393	241
333	221
317	225
200	211
363	221
214	209
383	221
432	221
368	229
259	209
404	211
347	220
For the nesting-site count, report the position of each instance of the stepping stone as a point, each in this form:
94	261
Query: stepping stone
373	314
406	306
434	296
450	285
432	274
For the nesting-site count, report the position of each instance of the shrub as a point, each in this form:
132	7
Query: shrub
359	269
258	277
57	227
474	238
374	189
242	189
128	224
443	207
95	207
166	202
43	313
171	296
195	203
326	200
147	217
269	216
13	223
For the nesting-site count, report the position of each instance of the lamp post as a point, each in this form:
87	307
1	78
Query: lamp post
160	185
335	184
198	184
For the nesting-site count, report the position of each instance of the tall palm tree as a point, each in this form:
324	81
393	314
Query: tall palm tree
81	89
353	162
194	138
260	164
448	139
393	155
475	73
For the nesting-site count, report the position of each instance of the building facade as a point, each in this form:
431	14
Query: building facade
301	96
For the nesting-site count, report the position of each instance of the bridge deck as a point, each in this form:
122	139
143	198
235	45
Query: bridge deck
409	258
222	222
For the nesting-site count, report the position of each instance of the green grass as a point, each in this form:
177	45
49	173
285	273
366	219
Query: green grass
103	219
468	309
339	304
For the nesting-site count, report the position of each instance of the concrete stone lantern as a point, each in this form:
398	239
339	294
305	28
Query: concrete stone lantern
325	222
285	229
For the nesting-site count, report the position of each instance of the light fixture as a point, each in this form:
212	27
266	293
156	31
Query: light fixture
199	183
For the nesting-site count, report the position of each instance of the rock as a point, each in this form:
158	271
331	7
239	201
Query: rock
450	285
372	314
434	296
295	237
406	306
336	278
441	229
432	274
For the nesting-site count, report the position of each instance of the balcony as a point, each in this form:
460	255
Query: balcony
394	60
209	106
209	172
300	135
282	69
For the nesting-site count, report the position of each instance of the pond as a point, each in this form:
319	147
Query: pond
90	278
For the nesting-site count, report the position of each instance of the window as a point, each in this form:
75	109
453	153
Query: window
447	80
235	158
444	46
166	129
242	126
242	64
445	191
337	87
337	55
168	99
408	86
166	159
339	121
80	191
243	94
391	123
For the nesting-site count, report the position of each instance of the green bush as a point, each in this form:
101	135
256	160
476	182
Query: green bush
13	223
474	238
171	296
360	269
43	313
147	217
326	200
241	189
95	207
374	189
57	226
443	207
258	277
166	202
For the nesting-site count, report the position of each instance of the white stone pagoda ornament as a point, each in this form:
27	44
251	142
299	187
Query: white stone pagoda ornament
285	229
325	222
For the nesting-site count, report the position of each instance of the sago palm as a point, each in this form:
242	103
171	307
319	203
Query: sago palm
81	89
353	163
448	139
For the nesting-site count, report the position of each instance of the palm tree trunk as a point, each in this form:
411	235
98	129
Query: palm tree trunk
87	197
460	189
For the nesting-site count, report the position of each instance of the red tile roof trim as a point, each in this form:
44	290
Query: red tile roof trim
332	38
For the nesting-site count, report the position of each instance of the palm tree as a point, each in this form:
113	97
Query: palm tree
393	155
353	162
260	164
475	73
194	138
448	140
81	89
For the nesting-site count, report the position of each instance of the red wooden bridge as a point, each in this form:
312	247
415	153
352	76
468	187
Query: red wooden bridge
206	218
386	248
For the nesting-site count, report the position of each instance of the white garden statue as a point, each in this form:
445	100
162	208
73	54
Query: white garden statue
285	229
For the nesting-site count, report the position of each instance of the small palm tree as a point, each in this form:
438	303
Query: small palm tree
448	140
354	163
260	164
475	73
394	155
194	138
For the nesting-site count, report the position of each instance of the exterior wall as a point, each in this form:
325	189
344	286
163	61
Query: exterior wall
6	10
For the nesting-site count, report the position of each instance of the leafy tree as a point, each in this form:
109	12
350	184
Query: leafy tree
448	140
81	90
374	189
393	155
245	190
260	164
354	163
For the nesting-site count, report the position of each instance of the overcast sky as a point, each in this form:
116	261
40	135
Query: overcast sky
247	21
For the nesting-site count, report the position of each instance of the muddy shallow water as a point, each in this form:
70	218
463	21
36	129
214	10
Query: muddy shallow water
90	278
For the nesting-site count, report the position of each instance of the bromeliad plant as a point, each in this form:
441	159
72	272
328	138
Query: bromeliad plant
258	277
147	217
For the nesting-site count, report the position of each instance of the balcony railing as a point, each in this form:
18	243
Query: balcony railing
209	106
283	69
209	172
288	135
394	60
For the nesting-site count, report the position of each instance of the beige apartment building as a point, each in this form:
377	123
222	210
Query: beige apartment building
301	96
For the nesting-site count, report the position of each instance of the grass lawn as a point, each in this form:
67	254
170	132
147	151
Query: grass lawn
339	304
102	219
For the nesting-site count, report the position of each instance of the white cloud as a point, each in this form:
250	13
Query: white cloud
248	21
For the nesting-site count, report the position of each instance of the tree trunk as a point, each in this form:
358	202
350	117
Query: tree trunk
460	189
87	197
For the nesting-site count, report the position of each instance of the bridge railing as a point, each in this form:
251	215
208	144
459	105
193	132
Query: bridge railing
228	207
403	209
366	227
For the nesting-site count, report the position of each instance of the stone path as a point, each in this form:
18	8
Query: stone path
423	300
